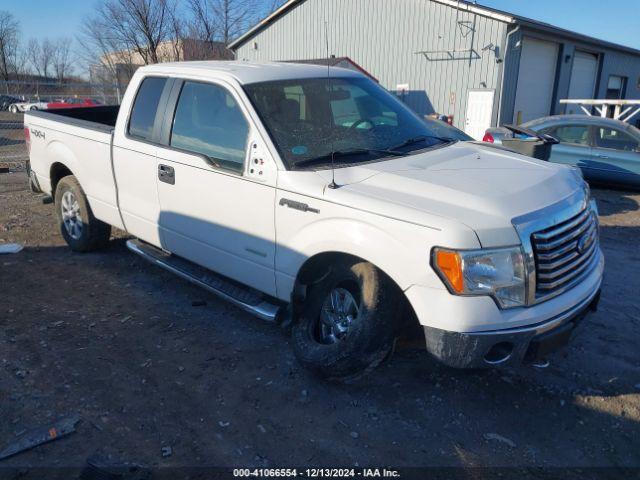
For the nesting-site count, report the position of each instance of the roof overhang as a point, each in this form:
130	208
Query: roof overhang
477	9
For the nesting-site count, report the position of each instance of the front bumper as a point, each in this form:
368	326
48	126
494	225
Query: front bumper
509	346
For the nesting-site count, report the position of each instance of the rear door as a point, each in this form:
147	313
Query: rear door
574	147
616	156
134	159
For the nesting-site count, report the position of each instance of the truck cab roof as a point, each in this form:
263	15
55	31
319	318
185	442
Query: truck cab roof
247	72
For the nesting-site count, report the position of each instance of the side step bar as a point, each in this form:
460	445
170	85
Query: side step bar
246	298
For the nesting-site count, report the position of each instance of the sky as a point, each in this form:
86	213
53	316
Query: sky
614	20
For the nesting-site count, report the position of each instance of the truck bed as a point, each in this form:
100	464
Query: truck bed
78	140
97	118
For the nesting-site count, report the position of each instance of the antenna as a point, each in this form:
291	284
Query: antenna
333	185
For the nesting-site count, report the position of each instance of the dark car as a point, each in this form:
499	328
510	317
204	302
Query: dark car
6	100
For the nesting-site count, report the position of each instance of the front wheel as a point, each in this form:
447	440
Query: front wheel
13	109
80	229
349	322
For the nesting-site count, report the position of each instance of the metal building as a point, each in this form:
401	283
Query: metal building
482	66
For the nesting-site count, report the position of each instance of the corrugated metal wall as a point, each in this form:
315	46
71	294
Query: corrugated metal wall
612	62
383	37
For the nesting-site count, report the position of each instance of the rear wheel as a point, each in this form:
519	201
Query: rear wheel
349	322
13	109
79	228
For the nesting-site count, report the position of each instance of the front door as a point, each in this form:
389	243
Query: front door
216	185
479	113
616	156
574	147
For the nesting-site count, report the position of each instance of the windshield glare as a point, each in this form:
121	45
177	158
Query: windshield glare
311	118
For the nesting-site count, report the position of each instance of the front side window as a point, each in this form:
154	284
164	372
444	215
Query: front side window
615	139
351	119
574	134
208	121
145	106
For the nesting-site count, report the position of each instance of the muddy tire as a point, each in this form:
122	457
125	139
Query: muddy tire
348	324
79	228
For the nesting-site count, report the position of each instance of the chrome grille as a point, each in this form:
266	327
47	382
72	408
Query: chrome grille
564	253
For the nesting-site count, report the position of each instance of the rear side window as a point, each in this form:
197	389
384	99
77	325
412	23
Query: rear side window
145	106
208	121
574	134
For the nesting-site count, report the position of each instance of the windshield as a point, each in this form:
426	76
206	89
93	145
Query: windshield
352	119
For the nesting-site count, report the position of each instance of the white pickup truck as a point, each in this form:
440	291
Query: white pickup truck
316	198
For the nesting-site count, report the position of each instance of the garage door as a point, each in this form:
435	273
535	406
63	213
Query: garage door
583	78
536	79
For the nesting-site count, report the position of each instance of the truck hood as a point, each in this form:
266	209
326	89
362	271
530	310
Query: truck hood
483	188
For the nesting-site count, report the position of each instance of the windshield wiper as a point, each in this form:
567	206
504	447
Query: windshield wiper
420	139
347	153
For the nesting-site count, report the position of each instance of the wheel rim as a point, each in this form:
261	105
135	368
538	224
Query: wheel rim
71	218
339	310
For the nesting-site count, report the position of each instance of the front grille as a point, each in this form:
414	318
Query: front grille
565	253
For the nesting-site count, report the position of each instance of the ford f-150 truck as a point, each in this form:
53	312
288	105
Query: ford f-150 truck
316	198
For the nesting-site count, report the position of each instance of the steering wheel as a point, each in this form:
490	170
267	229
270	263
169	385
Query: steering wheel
360	122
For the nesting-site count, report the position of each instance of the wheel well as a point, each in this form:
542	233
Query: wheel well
57	172
315	268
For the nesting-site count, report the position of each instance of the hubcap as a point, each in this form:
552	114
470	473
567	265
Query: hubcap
339	310
71	215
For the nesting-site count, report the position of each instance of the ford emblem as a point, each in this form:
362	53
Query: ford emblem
584	243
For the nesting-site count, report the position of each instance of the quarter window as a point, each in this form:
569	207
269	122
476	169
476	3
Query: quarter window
208	121
145	106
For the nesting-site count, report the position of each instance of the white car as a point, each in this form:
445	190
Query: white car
324	202
27	106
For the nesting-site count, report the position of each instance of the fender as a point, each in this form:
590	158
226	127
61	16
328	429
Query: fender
393	253
57	152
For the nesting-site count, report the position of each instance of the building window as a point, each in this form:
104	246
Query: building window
616	87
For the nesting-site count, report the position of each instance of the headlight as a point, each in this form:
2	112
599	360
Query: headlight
499	273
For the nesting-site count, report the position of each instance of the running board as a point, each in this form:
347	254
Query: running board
246	298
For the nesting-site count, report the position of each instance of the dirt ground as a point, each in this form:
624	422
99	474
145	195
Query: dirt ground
147	364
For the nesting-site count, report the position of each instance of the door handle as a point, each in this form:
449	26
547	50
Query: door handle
600	155
166	174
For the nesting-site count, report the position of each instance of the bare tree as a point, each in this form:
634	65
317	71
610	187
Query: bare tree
41	56
275	5
9	45
178	29
62	64
107	58
137	25
203	25
222	20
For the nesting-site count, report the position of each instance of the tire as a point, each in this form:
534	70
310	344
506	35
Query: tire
82	231
371	333
13	109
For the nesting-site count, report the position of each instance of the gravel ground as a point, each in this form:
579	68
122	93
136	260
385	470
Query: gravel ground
120	343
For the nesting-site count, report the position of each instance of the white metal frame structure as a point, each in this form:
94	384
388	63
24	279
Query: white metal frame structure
624	110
